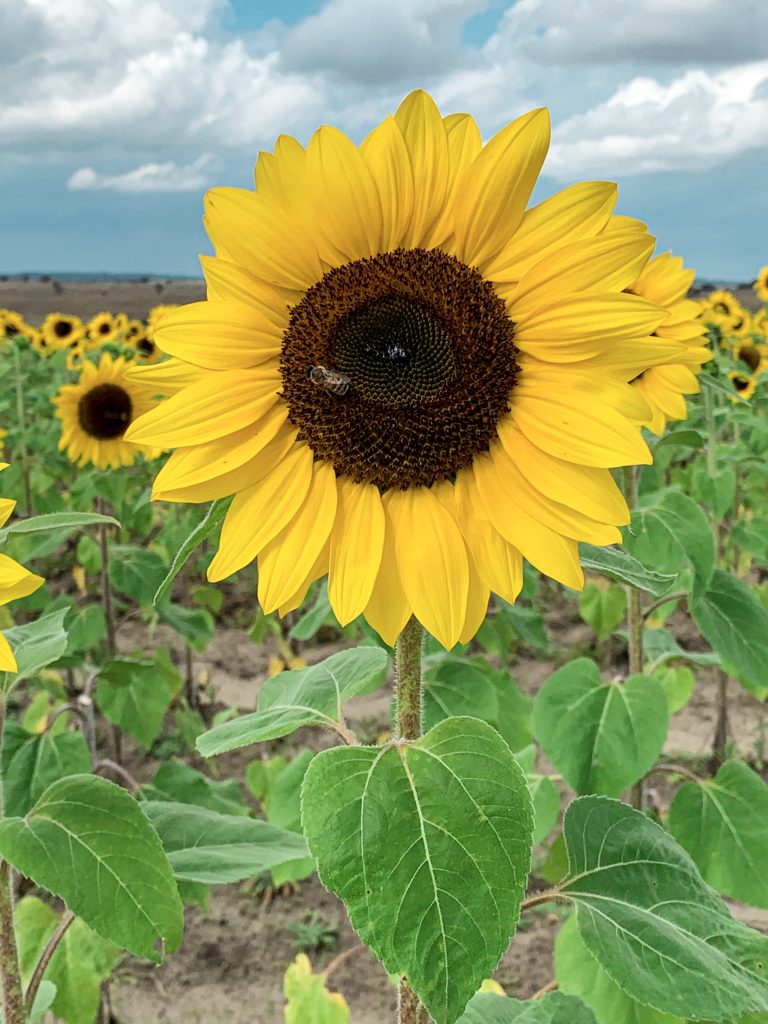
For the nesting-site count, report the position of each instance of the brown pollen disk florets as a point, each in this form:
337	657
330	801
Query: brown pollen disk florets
104	412
428	351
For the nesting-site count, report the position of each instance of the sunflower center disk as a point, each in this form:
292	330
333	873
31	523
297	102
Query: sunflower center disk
104	412
417	365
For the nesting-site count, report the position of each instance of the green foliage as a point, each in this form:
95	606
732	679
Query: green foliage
553	1008
307	696
135	694
646	916
177	782
282	806
428	845
544	795
86	841
603	607
602	737
136	572
308	999
211	848
723	824
677	684
617	565
313	932
32	761
81	962
211	520
35	646
736	625
60	521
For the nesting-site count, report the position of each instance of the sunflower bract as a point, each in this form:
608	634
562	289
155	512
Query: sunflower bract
410	381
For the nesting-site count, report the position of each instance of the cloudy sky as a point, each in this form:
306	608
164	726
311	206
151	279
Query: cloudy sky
116	115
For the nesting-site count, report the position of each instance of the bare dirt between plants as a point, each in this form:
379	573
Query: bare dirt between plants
229	969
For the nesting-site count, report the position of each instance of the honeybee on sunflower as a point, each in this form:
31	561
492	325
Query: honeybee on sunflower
96	412
60	330
666	282
15	582
468	330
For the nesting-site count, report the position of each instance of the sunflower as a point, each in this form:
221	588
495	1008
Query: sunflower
744	384
753	356
76	355
133	329
96	412
665	282
102	328
13	323
761	284
724	304
15	582
61	330
392	365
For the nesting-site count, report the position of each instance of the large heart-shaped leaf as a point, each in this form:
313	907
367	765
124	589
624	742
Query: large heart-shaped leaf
428	844
135	695
645	914
554	1008
306	696
601	736
32	761
86	841
723	824
203	846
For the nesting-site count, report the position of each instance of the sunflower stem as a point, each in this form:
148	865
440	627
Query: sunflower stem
634	622
22	421
108	608
408	700
10	972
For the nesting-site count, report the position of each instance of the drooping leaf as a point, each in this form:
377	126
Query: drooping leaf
213	517
428	845
602	737
135	695
86	841
32	761
308	999
660	647
617	565
644	913
736	625
80	963
36	645
204	846
603	607
579	973
723	824
306	696
553	1008
682	439
54	521
457	687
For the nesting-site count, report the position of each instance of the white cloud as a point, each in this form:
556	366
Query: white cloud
165	177
696	121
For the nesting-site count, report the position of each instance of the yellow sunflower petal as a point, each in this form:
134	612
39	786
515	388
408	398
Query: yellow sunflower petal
218	405
579	211
552	554
166	378
478	596
427	141
388	609
281	176
357	542
386	156
258	513
249	229
287	560
7	660
432	561
228	282
495	189
7	506
16	581
464	143
318	570
219	335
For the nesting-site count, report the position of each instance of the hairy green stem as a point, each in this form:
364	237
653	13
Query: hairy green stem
635	622
10	972
408	697
22	421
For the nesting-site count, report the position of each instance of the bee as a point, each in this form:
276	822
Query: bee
335	383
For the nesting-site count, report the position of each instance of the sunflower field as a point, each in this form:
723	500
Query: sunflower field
385	636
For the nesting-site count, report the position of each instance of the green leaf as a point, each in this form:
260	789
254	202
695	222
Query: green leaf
320	613
32	761
677	684
682	439
458	687
36	645
554	1008
55	521
603	607
195	625
601	737
178	782
675	533
81	961
87	842
752	536
136	572
660	647
617	565
308	998
213	517
260	775
514	709
135	695
428	845
578	973
723	824
204	846
716	492
85	628
305	696
736	625
527	623
650	921
282	807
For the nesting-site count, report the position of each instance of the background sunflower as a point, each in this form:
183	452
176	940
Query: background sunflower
60	330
